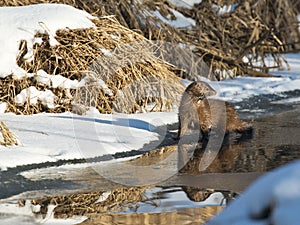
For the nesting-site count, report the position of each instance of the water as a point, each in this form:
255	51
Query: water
274	142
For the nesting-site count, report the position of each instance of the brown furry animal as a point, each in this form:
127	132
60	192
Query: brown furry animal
204	114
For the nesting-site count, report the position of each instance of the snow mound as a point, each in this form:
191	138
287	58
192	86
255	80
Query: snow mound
22	23
272	199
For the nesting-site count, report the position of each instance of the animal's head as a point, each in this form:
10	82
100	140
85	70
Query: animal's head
200	90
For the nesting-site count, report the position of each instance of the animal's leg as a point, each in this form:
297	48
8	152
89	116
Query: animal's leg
183	126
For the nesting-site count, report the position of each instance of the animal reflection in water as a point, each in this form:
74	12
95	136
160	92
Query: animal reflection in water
224	162
199	194
208	119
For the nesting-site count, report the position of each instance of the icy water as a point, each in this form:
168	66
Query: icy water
185	196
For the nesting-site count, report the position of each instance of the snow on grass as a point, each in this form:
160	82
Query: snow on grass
240	88
272	199
56	81
225	9
3	107
173	199
50	137
22	23
32	95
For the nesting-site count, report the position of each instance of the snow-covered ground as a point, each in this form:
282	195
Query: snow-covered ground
51	137
235	90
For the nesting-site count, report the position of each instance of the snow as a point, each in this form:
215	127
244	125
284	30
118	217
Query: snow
102	84
189	4
107	52
173	199
56	81
177	200
103	197
51	137
32	95
185	3
3	107
180	21
278	191
235	90
11	213
224	9
22	23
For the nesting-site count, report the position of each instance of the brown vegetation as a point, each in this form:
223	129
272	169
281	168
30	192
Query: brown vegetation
86	203
132	76
102	212
220	42
256	29
7	138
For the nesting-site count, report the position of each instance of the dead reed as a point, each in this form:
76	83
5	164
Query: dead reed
117	67
234	43
237	42
7	138
123	71
87	203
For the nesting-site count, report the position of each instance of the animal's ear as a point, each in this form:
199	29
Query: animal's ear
191	86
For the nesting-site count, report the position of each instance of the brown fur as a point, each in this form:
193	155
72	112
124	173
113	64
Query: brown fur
195	109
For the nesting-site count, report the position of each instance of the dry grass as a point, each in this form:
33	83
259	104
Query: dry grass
119	67
7	138
119	199
256	30
86	203
135	75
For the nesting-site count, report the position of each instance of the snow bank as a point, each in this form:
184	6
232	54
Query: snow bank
51	137
22	23
235	90
273	199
